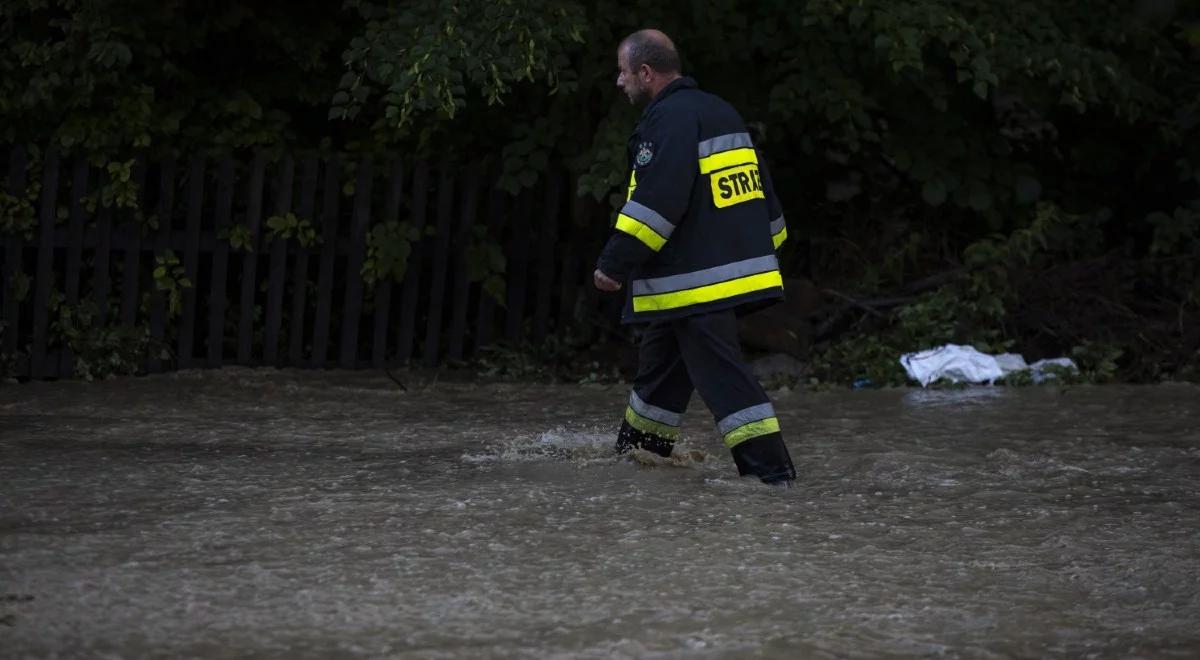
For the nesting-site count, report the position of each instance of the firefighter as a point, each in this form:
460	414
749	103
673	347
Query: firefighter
694	244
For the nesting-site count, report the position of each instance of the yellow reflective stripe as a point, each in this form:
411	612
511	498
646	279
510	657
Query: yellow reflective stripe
727	159
703	294
640	231
751	430
647	425
780	237
632	185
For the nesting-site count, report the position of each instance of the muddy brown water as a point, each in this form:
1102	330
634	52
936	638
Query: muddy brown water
290	514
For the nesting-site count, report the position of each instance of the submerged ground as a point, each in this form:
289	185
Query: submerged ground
315	514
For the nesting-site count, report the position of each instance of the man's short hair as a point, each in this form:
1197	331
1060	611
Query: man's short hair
645	49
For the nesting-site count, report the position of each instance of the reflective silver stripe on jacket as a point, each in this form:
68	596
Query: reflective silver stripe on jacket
743	417
653	412
705	277
777	225
649	217
724	143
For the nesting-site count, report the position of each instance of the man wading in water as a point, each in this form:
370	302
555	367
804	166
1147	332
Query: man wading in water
695	242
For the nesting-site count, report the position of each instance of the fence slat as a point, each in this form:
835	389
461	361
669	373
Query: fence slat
308	193
593	244
485	321
45	265
222	220
412	276
462	285
131	273
329	236
101	256
568	285
441	258
77	219
547	237
603	306
191	262
165	212
569	296
383	288
518	268
439	310
279	250
352	311
13	248
250	259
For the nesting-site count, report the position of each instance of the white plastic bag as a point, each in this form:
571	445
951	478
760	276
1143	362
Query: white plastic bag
961	364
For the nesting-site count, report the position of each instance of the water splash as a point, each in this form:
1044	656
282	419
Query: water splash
558	444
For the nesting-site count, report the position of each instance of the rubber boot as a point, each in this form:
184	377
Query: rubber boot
629	438
767	458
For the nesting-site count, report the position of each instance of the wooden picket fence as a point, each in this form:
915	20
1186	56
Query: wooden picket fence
281	303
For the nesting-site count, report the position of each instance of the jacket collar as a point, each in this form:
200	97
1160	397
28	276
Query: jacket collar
683	82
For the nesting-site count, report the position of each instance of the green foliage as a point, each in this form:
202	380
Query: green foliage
240	238
561	358
528	154
17	217
605	176
289	226
1190	371
486	263
170	278
121	191
976	307
423	59
99	76
1021	144
8	361
1176	233
389	245
1024	378
973	309
867	356
873	79
1097	361
100	351
19	285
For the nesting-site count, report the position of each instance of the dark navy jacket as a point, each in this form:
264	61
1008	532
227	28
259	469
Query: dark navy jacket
701	223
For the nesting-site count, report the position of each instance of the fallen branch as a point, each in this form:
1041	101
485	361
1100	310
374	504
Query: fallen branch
877	307
855	303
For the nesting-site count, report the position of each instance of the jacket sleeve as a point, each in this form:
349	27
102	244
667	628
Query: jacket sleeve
665	169
774	208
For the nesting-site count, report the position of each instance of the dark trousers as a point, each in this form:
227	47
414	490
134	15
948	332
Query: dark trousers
701	352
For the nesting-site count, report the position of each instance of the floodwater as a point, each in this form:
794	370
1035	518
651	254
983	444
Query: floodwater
288	514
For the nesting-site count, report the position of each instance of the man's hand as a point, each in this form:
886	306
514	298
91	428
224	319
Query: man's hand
604	282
